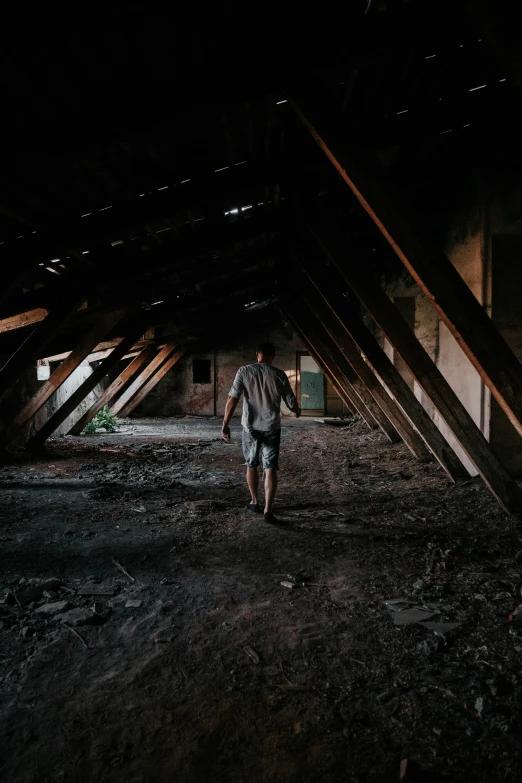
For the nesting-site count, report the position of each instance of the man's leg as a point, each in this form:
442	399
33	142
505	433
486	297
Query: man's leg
270	488
270	456
251	446
252	478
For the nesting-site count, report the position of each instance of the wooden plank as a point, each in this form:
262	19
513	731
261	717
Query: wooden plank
142	378
345	390
389	407
425	372
100	350
32	348
315	333
464	316
98	356
339	371
152	382
111	391
60	375
19	321
86	388
387	372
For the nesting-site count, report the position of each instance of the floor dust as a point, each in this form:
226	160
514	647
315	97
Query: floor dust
194	663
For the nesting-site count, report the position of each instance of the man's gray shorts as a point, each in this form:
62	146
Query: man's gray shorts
264	444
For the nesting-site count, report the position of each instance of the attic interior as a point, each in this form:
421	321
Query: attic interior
174	192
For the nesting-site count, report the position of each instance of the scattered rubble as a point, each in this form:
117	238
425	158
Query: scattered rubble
365	691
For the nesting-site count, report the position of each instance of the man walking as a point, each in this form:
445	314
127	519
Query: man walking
263	387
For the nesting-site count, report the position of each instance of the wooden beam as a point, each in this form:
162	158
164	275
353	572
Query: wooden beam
111	391
32	348
86	388
60	375
19	321
142	378
425	372
98	356
317	335
464	316
344	389
389	407
350	322
100	348
152	382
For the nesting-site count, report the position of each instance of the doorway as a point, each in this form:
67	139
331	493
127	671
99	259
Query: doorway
310	385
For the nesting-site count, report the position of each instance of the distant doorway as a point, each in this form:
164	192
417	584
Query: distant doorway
310	385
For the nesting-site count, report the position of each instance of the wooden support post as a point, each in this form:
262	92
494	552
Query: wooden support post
142	378
22	320
60	375
315	333
387	372
146	355
350	351
340	381
464	316
86	387
32	348
427	375
152	382
345	390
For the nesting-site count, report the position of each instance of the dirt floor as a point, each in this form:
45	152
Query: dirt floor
199	665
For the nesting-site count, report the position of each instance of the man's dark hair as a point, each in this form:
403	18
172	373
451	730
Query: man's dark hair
267	349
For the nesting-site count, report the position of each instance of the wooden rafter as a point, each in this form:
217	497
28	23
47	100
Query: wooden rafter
32	348
143	378
60	375
385	369
389	407
115	387
466	319
152	382
425	372
86	388
315	334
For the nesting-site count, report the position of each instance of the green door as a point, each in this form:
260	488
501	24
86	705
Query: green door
311	386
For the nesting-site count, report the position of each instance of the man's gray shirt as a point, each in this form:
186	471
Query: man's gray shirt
263	387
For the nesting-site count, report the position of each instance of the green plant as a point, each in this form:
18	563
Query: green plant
104	419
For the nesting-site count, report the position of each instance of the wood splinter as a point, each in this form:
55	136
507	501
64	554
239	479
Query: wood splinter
77	634
123	569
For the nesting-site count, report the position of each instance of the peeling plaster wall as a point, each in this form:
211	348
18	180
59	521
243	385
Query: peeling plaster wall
465	249
176	394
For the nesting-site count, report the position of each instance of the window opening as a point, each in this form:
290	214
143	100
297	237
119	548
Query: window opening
201	371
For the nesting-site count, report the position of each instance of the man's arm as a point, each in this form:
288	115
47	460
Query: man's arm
229	412
234	396
290	398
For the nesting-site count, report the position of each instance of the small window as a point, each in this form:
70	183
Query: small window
201	371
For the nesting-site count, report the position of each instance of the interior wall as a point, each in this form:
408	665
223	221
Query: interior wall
465	248
176	394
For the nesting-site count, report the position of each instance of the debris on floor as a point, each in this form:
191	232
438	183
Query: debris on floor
139	596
